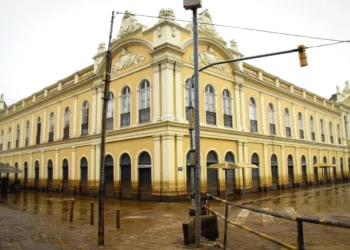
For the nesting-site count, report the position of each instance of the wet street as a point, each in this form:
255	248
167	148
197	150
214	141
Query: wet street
35	220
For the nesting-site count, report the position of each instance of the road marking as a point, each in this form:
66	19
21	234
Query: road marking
292	212
267	218
242	216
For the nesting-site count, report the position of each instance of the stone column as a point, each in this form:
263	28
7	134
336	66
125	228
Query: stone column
262	100
307	132
30	166
247	172
43	175
181	176
92	166
280	118
284	176
243	108
310	171
267	169
58	120
240	160
179	100
99	109
294	121
156	178
317	128
238	108
297	170
167	82
348	125
44	122
75	116
55	177
97	165
22	134
168	164
32	126
156	93
93	111
342	125
73	178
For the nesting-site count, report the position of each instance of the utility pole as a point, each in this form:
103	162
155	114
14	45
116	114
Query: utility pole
103	139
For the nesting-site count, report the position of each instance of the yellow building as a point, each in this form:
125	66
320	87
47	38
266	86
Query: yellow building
247	115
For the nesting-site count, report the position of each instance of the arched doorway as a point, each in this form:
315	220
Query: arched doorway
314	161
83	176
125	176
342	168
49	175
109	176
145	177
16	175
230	174
325	174
290	171
65	175
36	175
25	183
334	169
212	174
255	173
274	171
188	173
304	169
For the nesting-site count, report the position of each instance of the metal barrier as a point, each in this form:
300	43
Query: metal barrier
298	220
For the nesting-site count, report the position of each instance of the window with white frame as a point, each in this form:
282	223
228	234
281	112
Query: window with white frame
287	123
51	126
346	127
210	105
338	133
85	118
38	130
17	136
331	133
126	102
9	138
271	112
301	125
227	109
189	89
322	131
66	123
26	140
110	111
312	128
253	115
145	101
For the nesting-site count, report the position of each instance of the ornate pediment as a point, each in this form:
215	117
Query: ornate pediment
125	60
207	57
205	24
129	24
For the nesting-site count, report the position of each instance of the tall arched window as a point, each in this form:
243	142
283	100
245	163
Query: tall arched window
1	139
272	122
226	101
312	128
253	115
331	133
9	136
125	112
110	112
301	126
27	134
189	87
287	123
38	130
322	131
145	102
51	126
338	134
210	105
17	136
346	127
85	118
66	123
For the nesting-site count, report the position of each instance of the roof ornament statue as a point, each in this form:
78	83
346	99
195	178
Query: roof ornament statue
207	57
126	59
101	48
346	90
166	14
205	23
129	24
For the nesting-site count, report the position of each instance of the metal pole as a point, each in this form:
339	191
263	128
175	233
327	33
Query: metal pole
197	133
103	135
192	163
300	234
226	212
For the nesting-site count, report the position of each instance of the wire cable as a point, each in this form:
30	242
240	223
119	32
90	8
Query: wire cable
242	28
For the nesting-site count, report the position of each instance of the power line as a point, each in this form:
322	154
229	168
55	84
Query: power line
242	28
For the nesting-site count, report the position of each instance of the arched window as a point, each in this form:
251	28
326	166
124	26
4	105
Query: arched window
324	159
38	130
226	101
9	136
331	133
301	126
189	87
66	123
85	118
17	136
314	160
51	126
346	127
27	134
272	122
210	105
125	112
312	128
338	133
255	171
322	131
110	112
1	139
145	102
253	115
287	123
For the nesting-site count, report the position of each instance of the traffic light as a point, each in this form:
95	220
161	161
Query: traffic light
302	56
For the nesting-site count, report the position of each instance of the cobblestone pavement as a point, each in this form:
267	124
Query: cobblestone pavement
33	220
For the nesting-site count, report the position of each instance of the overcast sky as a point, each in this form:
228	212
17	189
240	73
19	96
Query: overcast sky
44	41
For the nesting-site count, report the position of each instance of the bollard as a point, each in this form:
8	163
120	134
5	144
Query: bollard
71	211
92	213
118	219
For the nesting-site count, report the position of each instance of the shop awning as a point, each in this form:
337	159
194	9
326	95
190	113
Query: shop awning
324	165
4	168
230	165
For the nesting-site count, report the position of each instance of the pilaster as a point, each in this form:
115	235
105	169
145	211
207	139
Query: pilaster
156	93
244	110
279	117
181	178
294	120
167	83
168	164
178	92
307	125
91	168
157	167
297	170
284	167
32	126
56	166
58	120
267	170
73	165
93	110
238	108
75	115
262	100
22	134
42	166
99	109
44	122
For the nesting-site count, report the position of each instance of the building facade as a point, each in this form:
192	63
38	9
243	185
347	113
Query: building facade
246	115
